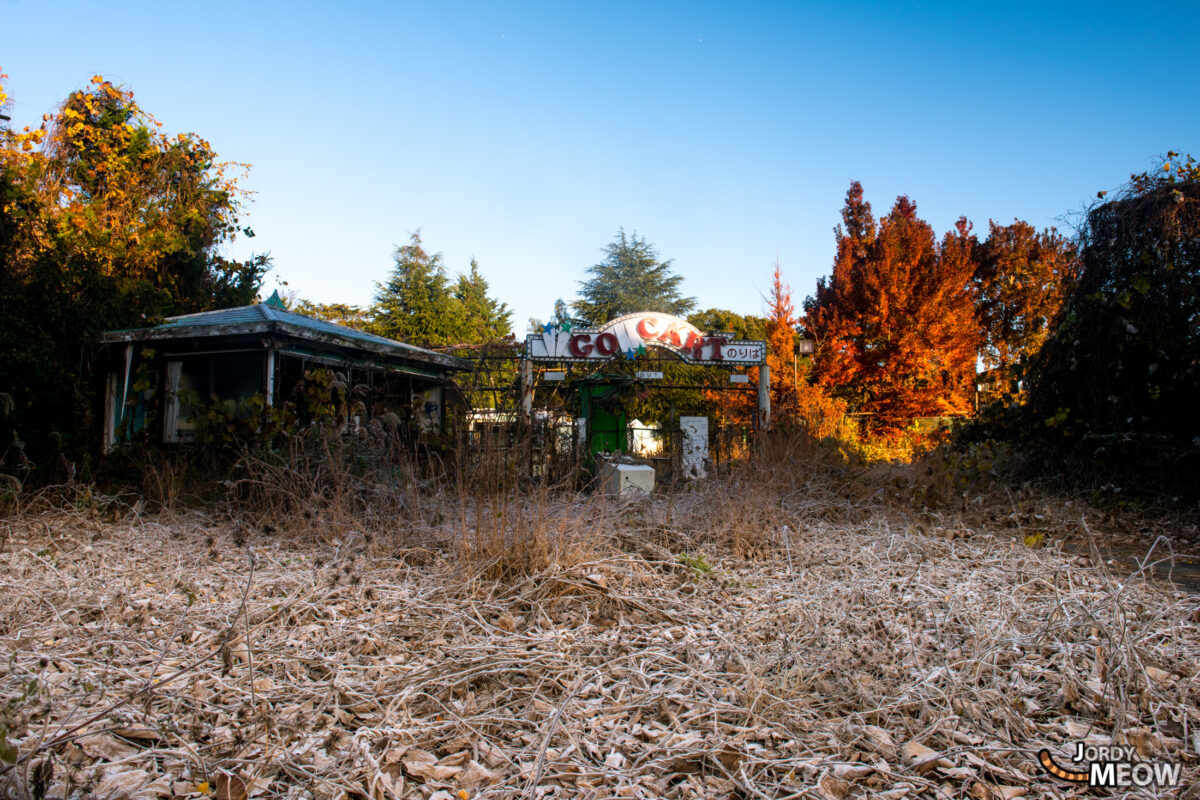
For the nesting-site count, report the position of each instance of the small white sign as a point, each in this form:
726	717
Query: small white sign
740	351
554	376
739	378
648	376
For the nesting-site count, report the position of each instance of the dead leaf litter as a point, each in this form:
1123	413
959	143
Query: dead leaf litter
863	659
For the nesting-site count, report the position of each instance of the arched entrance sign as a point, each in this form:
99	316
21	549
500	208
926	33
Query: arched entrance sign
631	335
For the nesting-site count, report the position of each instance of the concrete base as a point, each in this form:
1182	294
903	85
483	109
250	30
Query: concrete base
624	478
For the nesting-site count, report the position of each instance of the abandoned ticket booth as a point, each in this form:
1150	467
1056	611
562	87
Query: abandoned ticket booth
577	357
161	379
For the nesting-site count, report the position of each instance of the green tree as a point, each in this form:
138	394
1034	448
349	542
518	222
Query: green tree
745	326
484	319
341	313
630	278
561	314
415	305
420	305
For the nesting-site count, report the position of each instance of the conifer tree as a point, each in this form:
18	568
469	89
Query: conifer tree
630	278
482	318
416	305
795	398
834	315
895	328
781	343
420	305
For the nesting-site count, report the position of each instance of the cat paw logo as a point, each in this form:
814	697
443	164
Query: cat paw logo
1111	768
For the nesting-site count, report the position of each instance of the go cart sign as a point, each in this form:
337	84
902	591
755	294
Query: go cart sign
633	334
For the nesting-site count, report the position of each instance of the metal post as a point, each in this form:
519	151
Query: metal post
125	385
764	398
527	389
270	381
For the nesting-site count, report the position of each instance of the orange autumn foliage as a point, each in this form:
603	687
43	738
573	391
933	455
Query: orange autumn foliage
107	188
795	400
105	222
895	324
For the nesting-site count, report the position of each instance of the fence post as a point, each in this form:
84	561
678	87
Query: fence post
764	398
526	389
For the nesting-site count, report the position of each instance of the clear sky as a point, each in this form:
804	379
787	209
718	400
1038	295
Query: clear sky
525	134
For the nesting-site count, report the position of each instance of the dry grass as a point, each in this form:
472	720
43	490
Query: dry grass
787	631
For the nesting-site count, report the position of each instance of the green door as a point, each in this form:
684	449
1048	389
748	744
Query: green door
607	427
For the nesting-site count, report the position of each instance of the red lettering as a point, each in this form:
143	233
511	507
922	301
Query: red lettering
647	327
717	342
580	345
607	344
690	342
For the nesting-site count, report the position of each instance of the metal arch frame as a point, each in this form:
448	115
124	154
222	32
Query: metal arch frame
762	420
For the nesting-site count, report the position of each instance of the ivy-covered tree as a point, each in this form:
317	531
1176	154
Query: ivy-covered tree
630	278
1118	382
107	222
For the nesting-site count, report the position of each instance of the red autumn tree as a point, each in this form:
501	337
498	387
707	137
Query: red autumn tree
1021	281
894	324
952	321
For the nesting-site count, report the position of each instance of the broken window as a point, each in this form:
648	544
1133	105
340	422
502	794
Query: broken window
201	382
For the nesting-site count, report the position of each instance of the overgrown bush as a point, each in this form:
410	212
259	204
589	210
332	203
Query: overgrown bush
1113	395
105	222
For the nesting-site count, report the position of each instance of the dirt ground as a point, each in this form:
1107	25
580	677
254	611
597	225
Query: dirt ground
675	647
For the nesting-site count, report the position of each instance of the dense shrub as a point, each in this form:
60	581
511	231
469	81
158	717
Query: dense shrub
1113	395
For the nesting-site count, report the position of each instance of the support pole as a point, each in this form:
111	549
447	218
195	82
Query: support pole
125	385
527	389
764	398
269	389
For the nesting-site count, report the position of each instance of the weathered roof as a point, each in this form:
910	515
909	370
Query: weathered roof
269	318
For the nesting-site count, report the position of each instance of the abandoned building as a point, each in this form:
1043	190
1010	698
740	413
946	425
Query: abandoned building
162	380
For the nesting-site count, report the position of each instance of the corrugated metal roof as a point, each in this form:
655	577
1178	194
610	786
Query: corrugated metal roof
265	317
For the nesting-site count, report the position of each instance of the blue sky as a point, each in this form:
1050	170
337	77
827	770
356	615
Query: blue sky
525	134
